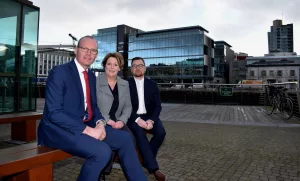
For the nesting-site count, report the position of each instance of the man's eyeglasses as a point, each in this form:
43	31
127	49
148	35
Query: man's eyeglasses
137	66
85	49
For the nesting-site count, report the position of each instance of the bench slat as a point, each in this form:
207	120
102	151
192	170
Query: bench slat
17	149
19	117
29	159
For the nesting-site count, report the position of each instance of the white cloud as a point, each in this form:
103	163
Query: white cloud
241	23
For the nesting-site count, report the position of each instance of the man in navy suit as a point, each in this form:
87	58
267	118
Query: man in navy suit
73	123
146	108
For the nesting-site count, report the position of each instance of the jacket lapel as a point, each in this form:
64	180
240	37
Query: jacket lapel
146	90
92	85
104	85
133	91
121	87
77	81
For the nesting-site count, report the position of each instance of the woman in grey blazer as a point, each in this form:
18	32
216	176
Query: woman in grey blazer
113	96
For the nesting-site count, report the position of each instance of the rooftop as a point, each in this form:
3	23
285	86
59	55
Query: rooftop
222	42
173	29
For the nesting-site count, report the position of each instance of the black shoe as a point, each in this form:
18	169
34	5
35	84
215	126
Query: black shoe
102	177
160	176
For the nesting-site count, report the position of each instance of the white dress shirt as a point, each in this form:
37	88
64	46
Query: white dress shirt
82	80
140	90
81	75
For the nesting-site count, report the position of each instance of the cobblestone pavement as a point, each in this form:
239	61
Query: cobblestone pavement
194	151
197	151
200	151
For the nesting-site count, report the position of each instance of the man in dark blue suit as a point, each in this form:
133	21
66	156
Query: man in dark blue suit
146	108
73	123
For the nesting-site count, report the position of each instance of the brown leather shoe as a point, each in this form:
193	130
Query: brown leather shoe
160	176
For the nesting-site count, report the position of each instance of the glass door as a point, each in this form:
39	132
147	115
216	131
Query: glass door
9	22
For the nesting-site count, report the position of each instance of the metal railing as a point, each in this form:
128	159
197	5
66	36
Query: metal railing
224	94
242	94
231	94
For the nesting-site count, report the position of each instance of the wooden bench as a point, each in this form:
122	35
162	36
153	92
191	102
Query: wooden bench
23	125
29	162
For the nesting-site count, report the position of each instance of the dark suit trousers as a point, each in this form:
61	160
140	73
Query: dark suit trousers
97	154
113	154
148	150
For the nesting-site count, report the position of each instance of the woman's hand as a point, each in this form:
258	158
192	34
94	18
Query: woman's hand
119	124
111	122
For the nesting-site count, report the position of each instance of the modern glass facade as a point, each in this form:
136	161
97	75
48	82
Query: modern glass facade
224	57
107	42
19	22
219	62
174	55
113	39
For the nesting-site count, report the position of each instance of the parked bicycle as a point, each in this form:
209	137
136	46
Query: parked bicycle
278	102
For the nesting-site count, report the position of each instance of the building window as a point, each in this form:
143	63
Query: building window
235	65
271	72
205	50
279	73
252	73
292	72
263	73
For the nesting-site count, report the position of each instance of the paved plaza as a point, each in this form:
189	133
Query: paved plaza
207	142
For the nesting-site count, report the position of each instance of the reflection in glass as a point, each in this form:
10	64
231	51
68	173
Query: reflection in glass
107	42
170	56
18	51
9	20
28	58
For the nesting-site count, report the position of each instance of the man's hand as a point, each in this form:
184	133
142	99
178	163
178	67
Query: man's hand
142	123
101	129
111	122
149	124
95	133
119	124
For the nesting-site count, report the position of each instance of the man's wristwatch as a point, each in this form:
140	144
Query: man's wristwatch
102	121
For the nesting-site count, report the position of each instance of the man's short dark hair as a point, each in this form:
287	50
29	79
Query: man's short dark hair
87	36
137	58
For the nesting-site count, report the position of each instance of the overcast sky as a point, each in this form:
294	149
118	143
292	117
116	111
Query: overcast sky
241	23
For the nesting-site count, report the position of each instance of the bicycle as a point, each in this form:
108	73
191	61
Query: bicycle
277	101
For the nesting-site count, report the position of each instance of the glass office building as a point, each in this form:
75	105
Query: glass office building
107	42
172	55
179	55
114	39
224	57
19	24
